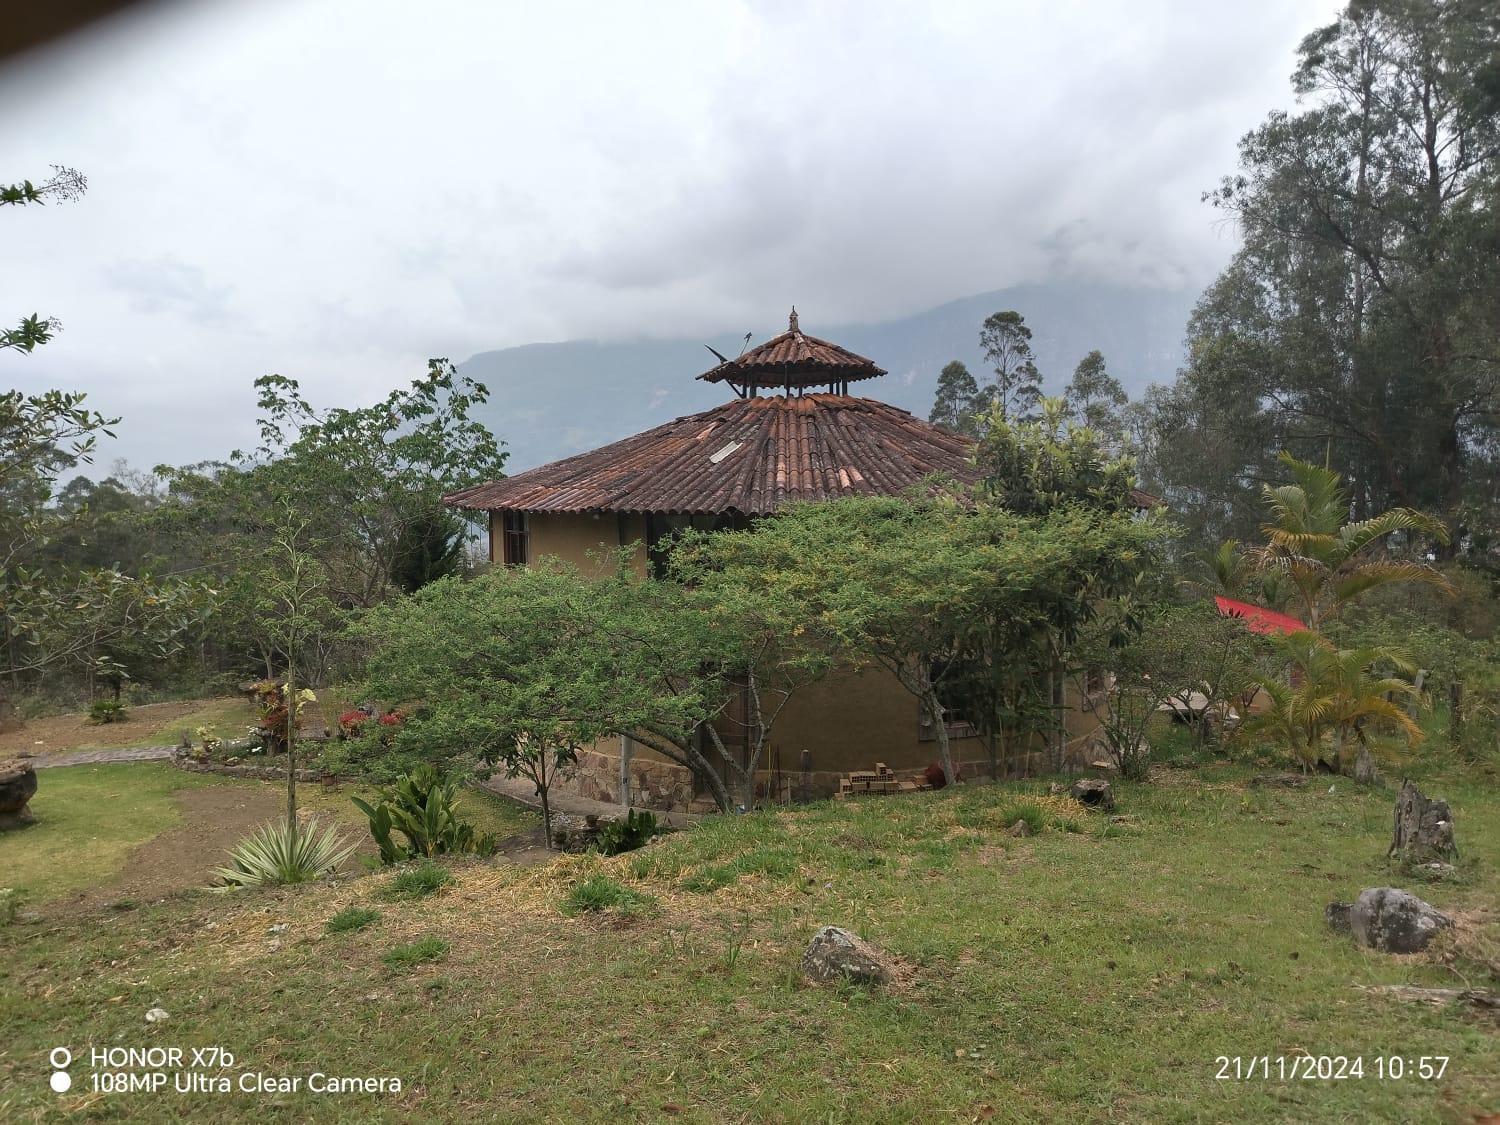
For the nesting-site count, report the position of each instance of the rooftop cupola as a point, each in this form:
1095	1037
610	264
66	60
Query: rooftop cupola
791	364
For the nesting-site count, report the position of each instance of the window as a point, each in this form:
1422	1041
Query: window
515	538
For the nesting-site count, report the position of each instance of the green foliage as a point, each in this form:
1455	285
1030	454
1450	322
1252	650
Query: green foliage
1328	561
1094	399
418	881
278	853
423	808
1354	323
1157	654
1017	386
627	834
352	918
1332	694
11	901
603	893
958	403
103	711
416	953
521	667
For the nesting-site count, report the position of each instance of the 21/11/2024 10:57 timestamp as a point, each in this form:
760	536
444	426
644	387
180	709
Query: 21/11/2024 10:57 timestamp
1329	1068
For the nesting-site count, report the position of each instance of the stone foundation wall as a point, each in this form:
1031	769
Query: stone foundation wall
666	786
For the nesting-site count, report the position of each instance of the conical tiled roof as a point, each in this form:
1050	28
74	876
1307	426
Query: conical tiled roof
751	455
793	361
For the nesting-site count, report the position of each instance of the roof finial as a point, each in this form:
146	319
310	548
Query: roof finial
791	324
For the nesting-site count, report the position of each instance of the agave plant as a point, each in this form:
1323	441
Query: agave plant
1326	560
1332	693
280	852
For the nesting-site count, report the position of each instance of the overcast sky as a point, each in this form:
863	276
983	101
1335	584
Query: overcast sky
338	189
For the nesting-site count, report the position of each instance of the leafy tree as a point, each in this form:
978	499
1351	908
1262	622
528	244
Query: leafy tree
1017	386
1356	323
375	476
1094	398
958	403
1034	467
52	613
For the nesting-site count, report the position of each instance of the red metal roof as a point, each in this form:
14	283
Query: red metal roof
796	360
751	455
1258	619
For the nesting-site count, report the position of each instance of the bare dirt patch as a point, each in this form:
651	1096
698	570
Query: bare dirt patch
215	818
152	723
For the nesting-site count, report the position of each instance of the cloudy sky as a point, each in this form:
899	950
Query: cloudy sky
338	189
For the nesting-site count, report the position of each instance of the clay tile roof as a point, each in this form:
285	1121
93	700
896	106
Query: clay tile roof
751	455
794	359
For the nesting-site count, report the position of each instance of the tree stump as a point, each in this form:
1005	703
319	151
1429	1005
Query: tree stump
1423	828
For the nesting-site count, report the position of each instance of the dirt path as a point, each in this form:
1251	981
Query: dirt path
215	818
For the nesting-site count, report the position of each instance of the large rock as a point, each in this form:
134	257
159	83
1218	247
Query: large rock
17	785
835	954
1395	921
1093	792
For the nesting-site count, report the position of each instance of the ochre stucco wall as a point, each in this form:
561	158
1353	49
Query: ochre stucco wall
571	537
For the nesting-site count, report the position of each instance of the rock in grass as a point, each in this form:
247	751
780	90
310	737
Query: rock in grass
1093	792
835	954
17	786
1395	921
1336	914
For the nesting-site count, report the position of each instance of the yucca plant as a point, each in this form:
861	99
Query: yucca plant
1333	693
277	853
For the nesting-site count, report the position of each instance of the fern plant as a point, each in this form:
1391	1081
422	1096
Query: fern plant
278	853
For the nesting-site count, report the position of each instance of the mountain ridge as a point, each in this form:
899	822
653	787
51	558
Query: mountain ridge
551	400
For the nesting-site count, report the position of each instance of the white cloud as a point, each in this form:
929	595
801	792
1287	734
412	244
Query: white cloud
337	189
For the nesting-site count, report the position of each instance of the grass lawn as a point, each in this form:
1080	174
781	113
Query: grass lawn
91	817
1094	974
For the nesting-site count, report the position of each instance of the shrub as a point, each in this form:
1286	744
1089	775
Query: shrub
626	835
603	893
418	882
273	854
423	807
351	723
417	953
10	904
103	711
351	918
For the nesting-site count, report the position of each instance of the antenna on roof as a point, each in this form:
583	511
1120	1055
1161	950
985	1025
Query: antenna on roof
717	354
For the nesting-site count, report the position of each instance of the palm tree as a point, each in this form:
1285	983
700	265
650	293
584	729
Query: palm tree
1328	561
1333	692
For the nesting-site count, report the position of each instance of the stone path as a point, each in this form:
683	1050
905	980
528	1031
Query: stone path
100	757
523	792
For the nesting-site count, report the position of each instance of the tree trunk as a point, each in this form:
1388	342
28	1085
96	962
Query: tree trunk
542	786
940	727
